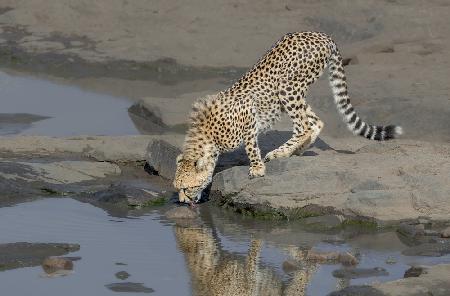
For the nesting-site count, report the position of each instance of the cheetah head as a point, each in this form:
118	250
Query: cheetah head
191	177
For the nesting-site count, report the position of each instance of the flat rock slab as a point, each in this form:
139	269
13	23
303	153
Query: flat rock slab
101	148
382	182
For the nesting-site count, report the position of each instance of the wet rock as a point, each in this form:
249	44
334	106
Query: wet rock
344	258
22	254
391	260
22	179
122	275
430	232
14	123
429	249
411	230
324	222
129	287
435	281
181	212
358	291
289	266
53	264
414	271
355	273
445	233
136	195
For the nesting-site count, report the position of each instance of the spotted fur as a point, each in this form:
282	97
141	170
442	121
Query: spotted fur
277	83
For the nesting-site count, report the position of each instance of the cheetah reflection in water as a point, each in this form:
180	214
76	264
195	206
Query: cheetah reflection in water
217	272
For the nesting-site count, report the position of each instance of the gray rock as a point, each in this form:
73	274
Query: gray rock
54	264
414	271
324	222
129	287
358	291
379	183
411	230
22	254
289	266
356	273
161	156
445	233
122	275
429	249
127	194
181	212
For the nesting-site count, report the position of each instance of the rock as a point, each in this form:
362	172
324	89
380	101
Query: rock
429	249
344	258
347	259
324	222
33	178
358	291
289	266
22	254
378	183
161	156
135	195
181	212
411	230
355	273
414	271
430	232
434	282
13	123
129	287
122	275
445	233
391	260
53	264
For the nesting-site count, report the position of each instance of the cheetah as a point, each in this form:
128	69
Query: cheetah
277	83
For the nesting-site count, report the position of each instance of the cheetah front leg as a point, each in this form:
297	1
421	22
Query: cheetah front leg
257	167
302	132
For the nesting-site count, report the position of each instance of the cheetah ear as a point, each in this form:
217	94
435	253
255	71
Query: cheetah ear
179	158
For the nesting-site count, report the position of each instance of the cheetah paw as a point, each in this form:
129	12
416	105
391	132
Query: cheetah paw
275	154
257	171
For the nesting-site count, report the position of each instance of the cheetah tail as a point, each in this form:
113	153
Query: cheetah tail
354	122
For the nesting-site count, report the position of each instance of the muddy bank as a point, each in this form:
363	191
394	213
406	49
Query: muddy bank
398	54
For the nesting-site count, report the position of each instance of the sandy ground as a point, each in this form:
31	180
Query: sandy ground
399	51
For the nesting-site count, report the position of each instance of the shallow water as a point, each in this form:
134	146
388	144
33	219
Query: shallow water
178	259
71	110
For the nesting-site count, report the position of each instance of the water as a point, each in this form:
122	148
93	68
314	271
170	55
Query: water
221	250
179	259
71	110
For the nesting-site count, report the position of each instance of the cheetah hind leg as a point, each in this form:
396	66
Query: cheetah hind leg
316	126
302	134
